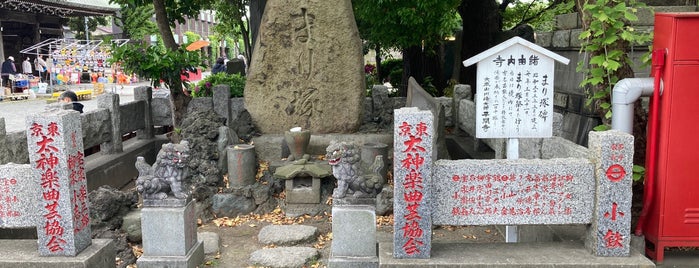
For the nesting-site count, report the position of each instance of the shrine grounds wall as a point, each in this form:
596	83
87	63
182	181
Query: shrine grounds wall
569	97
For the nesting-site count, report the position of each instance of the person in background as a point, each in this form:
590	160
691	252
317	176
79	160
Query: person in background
8	68
27	67
41	67
218	67
70	97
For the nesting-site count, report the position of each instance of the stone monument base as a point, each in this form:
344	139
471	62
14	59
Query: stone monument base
353	262
535	254
350	200
24	253
193	259
354	237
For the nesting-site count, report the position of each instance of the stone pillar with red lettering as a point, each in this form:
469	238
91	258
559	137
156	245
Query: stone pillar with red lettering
612	154
413	137
55	148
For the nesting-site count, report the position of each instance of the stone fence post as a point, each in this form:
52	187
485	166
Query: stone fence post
222	95
145	93
110	101
55	144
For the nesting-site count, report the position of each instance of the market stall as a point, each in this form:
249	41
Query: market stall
71	61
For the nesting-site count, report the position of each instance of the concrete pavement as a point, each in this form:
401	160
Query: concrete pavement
15	112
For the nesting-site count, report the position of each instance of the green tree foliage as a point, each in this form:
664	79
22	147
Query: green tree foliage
402	24
155	62
233	20
204	88
607	39
175	58
136	22
77	25
540	14
416	27
191	37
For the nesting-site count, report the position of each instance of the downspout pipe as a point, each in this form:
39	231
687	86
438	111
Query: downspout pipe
624	94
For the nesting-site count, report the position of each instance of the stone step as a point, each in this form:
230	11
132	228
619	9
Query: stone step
561	254
284	257
287	235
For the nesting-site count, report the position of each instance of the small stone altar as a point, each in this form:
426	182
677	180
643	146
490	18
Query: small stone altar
168	218
302	176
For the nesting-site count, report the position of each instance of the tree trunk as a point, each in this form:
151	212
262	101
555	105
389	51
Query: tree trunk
377	57
412	67
482	24
178	99
257	9
434	67
246	42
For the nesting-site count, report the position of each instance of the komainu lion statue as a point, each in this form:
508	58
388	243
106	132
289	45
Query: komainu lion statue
345	160
164	178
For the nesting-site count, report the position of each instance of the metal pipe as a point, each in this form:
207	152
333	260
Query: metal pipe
624	94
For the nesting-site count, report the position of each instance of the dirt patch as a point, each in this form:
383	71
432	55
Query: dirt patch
239	238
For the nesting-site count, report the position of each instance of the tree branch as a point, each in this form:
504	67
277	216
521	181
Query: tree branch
538	14
504	5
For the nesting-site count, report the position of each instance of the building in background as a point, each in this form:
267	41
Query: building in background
24	23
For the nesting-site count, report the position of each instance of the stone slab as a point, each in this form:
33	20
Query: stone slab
193	259
354	231
307	70
287	235
568	21
512	192
168	231
283	256
414	136
18	198
23	254
211	241
523	255
353	262
561	39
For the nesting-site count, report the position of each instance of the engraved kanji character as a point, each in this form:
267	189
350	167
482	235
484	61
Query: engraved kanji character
55	244
412	229
413	180
53	129
45	145
405	129
37	129
412	144
613	239
53	228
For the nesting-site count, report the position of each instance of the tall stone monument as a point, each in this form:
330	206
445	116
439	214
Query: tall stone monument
307	69
55	148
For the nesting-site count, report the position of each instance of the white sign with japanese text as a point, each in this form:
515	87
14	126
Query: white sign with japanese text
514	97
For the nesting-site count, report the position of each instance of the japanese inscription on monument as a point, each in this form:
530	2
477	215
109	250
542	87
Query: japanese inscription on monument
412	156
520	191
55	152
514	96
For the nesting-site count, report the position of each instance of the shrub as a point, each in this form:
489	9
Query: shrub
204	88
388	67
